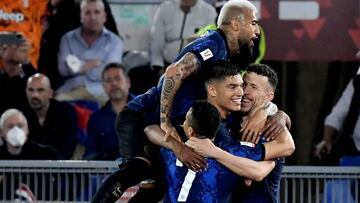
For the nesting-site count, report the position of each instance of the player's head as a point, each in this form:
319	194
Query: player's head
202	120
238	19
260	83
223	83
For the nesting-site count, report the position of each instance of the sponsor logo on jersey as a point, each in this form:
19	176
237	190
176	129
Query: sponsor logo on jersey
249	144
206	54
17	17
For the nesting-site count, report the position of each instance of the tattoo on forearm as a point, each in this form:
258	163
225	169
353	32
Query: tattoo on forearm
163	109
169	85
187	65
190	64
163	119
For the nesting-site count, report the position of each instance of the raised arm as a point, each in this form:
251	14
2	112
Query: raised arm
174	76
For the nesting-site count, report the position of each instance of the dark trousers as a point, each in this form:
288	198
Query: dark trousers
129	174
130	130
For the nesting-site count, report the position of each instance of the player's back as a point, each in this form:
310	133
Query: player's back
213	185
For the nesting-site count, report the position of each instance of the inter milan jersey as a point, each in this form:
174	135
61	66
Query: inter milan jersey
264	191
208	49
215	184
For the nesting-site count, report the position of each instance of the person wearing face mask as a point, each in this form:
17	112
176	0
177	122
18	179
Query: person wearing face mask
15	145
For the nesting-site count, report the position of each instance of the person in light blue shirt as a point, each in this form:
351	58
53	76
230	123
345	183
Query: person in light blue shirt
84	52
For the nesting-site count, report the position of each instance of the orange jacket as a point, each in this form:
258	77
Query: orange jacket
24	16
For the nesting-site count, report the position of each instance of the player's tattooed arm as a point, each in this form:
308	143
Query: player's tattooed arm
174	76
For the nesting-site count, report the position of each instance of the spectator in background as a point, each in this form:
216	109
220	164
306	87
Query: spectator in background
16	69
341	136
62	16
110	22
101	142
174	22
51	122
24	16
15	143
16	146
84	52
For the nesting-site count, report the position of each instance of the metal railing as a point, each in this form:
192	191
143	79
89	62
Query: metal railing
320	184
54	181
77	181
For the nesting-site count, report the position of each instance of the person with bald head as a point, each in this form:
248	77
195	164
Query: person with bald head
51	122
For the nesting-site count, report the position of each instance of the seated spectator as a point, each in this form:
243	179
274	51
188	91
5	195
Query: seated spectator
84	52
174	22
15	143
24	16
101	142
17	146
61	17
16	69
51	122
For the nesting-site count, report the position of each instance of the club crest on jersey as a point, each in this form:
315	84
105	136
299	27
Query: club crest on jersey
206	54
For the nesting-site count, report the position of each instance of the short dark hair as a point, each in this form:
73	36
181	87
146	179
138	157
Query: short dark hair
205	119
220	70
115	66
264	70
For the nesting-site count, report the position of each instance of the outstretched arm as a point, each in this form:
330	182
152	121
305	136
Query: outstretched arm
239	165
247	168
174	76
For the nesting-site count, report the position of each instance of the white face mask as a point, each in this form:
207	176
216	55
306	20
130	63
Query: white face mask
16	137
